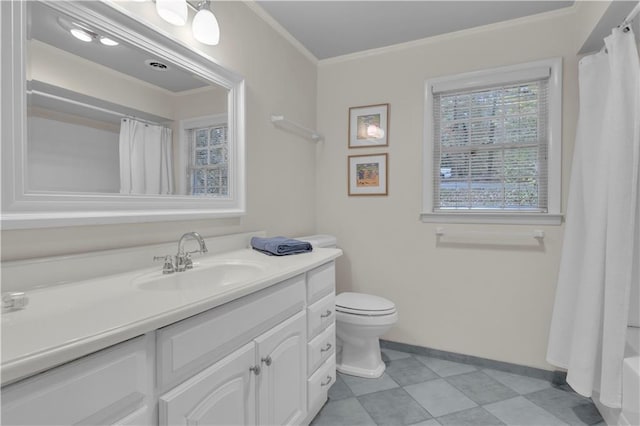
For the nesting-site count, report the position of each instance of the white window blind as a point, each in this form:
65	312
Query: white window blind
490	148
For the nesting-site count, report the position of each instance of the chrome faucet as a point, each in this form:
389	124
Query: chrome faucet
182	260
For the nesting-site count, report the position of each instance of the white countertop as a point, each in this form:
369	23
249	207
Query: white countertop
67	321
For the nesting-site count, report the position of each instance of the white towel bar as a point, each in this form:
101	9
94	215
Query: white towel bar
536	233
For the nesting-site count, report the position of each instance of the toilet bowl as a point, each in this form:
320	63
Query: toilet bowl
360	321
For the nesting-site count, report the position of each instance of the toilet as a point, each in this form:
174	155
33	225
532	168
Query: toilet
360	321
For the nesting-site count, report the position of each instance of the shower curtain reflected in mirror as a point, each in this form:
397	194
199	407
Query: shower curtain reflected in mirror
601	249
145	158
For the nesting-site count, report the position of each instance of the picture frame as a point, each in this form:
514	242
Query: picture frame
369	126
368	174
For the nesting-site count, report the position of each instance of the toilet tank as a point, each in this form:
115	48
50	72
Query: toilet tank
320	240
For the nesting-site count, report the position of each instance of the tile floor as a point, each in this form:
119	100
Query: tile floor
425	391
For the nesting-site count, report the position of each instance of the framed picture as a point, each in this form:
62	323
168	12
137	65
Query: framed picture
369	126
368	174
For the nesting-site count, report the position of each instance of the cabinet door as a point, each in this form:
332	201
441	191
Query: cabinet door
140	417
102	388
191	345
223	394
282	392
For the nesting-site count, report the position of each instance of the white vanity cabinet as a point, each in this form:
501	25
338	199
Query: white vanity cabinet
187	347
270	370
265	358
295	359
321	345
113	386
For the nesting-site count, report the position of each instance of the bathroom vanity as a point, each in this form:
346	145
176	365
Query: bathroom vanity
107	338
243	338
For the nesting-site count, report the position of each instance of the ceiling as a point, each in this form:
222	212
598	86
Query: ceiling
46	25
334	28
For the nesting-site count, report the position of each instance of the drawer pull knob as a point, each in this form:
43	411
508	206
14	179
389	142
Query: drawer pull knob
255	369
326	314
326	348
327	381
267	360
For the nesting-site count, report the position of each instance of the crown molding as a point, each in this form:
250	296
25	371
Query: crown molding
258	10
450	36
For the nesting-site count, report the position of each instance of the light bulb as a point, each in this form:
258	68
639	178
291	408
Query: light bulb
108	42
205	27
81	34
173	11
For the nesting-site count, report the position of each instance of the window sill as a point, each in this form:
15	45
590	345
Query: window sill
493	218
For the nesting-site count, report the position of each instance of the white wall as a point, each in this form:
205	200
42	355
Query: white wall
200	102
281	167
485	300
66	156
60	68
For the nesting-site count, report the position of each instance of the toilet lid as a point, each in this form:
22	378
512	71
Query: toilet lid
364	304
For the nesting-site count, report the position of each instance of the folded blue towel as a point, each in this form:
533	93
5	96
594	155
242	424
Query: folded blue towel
280	246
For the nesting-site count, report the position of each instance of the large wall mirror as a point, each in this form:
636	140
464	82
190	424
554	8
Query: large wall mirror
109	121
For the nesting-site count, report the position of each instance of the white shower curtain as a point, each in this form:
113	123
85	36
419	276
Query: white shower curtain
601	253
145	158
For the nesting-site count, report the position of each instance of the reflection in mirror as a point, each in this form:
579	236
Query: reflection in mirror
106	117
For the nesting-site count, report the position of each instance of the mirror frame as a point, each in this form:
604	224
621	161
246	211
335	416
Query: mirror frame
23	210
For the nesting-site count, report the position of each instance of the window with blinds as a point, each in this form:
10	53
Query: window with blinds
209	164
492	147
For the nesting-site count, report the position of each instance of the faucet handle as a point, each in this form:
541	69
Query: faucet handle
14	300
168	267
188	262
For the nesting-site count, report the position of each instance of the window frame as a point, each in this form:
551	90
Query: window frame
488	78
185	162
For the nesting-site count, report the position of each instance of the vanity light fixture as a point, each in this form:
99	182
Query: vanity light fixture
173	11
205	26
107	41
82	35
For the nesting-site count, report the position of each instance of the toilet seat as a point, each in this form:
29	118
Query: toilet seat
364	312
364	304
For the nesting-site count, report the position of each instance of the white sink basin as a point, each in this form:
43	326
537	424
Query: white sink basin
212	274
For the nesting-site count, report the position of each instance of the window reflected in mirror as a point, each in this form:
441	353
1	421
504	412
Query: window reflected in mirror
207	165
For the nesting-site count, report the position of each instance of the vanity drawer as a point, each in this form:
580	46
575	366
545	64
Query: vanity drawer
321	281
320	315
110	386
318	385
321	348
189	346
